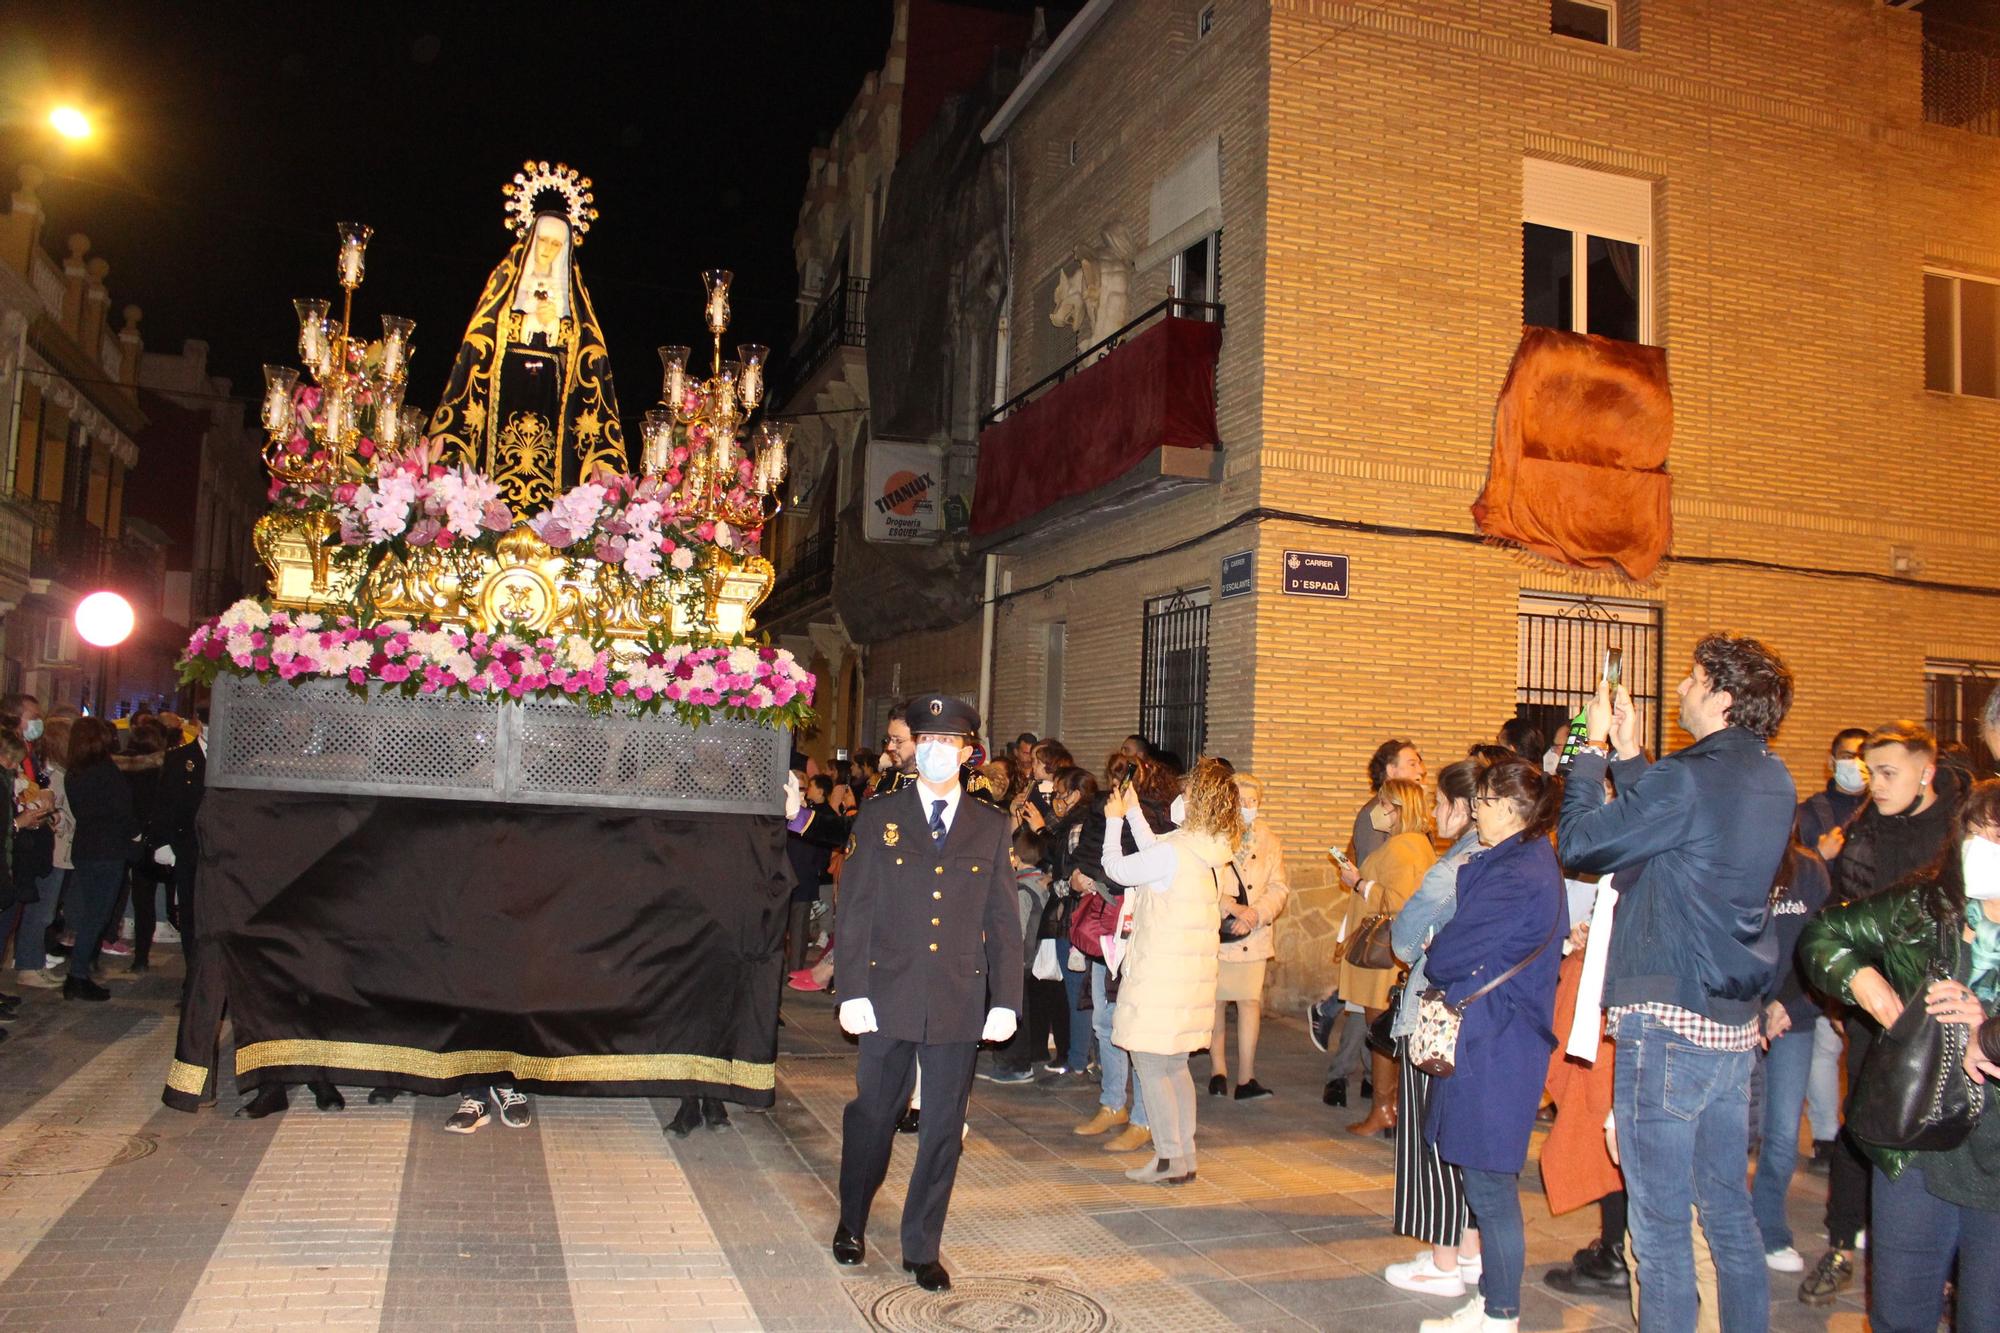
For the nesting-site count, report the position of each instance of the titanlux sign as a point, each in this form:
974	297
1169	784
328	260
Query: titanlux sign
905	493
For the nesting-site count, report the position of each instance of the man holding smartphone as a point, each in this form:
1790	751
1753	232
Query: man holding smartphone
1695	840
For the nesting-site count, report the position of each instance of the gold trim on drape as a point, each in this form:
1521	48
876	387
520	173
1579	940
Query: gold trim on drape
540	1068
184	1077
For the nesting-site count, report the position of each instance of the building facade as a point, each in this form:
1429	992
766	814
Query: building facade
1379	196
73	421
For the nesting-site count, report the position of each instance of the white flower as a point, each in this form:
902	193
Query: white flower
308	620
578	654
388	509
683	558
246	614
703	677
742	659
578	509
466	494
722	534
642	558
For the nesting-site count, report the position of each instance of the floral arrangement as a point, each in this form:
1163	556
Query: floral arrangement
699	683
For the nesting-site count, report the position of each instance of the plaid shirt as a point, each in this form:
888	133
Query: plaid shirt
1691	1026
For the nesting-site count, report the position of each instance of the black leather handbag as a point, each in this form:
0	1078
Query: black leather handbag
1913	1092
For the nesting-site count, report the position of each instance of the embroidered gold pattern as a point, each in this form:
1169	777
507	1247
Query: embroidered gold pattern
184	1077
359	1055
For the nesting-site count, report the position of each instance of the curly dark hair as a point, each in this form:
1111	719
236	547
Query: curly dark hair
1758	681
1385	755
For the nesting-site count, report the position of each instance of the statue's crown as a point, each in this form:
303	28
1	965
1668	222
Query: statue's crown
539	187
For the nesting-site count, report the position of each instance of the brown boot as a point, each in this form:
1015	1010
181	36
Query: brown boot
1129	1139
1105	1119
1382	1111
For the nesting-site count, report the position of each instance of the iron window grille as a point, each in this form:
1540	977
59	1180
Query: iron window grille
1563	639
1173	673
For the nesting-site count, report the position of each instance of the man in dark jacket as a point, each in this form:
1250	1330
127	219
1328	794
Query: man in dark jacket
1693	842
928	949
1825	815
170	831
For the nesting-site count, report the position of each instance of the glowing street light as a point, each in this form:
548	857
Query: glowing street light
70	122
104	619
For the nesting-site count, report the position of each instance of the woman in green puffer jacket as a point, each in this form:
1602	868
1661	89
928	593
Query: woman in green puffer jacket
1928	1208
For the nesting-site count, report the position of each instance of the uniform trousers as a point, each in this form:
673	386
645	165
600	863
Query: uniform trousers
883	1078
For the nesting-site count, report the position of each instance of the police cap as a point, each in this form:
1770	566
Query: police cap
941	715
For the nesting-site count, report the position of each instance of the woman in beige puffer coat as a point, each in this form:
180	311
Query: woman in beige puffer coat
1167	967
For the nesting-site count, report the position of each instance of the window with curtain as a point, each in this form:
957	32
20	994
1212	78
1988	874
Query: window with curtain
1586	251
1962	334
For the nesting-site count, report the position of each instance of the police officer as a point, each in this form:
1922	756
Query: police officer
928	953
899	755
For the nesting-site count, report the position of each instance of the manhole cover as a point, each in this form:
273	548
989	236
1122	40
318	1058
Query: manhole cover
989	1305
53	1150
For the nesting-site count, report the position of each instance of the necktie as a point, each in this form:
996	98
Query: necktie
937	821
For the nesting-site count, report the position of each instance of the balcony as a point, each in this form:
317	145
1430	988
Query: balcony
805	576
839	322
1127	423
1962	84
73	554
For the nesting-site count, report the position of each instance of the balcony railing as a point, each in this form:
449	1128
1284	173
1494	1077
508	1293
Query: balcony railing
1172	307
1962	85
73	553
840	320
805	574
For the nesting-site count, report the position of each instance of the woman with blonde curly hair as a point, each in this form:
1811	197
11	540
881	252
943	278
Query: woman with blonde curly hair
1382	884
1166	997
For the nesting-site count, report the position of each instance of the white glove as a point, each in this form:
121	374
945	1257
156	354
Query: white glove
858	1016
794	798
999	1025
163	855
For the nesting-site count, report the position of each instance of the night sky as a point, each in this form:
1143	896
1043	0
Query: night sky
235	136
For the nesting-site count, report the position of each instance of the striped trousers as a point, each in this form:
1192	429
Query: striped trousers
1430	1196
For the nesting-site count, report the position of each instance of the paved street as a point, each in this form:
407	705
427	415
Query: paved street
116	1213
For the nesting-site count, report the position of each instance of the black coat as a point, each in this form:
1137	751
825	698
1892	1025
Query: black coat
930	934
811	852
183	778
100	800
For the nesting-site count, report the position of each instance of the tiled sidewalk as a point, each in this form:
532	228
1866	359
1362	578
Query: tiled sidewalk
116	1213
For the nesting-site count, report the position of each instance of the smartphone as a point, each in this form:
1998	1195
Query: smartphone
1614	668
1340	856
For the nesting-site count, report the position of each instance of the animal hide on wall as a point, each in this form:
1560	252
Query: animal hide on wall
1579	468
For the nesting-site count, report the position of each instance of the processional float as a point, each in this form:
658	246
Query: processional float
495	767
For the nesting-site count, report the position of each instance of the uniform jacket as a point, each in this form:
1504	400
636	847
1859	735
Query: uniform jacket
1510	902
1261	863
1166	992
1695	840
930	934
183	778
1397	868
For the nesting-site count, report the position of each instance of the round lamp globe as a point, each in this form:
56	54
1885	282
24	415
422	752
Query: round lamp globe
104	619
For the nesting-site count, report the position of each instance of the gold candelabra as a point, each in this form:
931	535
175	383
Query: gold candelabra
713	412
304	448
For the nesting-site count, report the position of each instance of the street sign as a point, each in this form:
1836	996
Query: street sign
1315	574
1239	574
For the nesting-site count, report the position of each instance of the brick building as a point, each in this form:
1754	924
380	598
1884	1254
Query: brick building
1379	195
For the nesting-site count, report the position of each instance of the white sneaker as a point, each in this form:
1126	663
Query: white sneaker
1422	1274
1861	1240
164	933
1470	1317
1469	1270
1786	1260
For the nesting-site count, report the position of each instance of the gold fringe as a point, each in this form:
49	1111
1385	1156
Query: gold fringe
184	1077
1604	582
540	1068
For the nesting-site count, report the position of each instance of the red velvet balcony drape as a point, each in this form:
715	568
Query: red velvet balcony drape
1156	391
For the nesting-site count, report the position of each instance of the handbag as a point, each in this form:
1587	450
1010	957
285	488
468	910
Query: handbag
1912	1092
1434	1045
1241	899
1095	917
1368	943
1380	1038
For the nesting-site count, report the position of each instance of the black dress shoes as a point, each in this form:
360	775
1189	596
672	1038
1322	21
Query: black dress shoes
714	1112
270	1100
83	988
930	1276
848	1248
1595	1270
327	1097
907	1122
687	1119
383	1096
1336	1092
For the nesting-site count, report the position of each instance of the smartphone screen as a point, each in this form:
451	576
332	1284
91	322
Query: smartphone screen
1614	668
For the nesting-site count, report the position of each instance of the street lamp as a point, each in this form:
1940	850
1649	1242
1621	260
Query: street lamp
103	620
70	122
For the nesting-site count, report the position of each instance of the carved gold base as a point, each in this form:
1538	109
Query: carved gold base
526	587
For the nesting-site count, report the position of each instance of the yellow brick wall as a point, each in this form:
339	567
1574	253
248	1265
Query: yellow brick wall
1372	162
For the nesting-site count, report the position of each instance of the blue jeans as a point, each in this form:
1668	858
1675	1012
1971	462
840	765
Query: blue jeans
1494	1198
1115	1063
1912	1238
1683	1118
1076	985
1823	1088
93	895
1787	1067
30	940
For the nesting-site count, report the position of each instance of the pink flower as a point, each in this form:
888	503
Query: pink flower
497	517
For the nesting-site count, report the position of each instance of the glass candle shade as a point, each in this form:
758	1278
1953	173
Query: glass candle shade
674	380
716	282
279	381
313	342
396	332
752	357
411	428
658	436
354	238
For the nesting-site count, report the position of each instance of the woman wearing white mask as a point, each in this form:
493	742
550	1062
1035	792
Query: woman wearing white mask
1928	1208
1253	894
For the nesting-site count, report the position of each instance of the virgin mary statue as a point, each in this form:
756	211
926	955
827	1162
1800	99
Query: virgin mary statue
530	401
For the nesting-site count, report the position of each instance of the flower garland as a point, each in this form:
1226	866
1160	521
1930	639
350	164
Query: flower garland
740	682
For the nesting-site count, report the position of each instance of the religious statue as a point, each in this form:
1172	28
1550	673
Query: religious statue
530	401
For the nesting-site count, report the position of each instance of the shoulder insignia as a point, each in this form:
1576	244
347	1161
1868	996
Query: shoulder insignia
891	835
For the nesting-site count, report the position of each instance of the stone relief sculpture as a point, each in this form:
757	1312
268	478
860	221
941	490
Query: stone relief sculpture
1095	298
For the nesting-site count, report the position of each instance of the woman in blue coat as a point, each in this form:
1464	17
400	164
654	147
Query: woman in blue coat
1510	912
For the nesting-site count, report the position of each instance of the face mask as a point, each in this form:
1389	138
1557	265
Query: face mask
937	761
1850	776
1381	820
31	730
1980	859
1249	816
